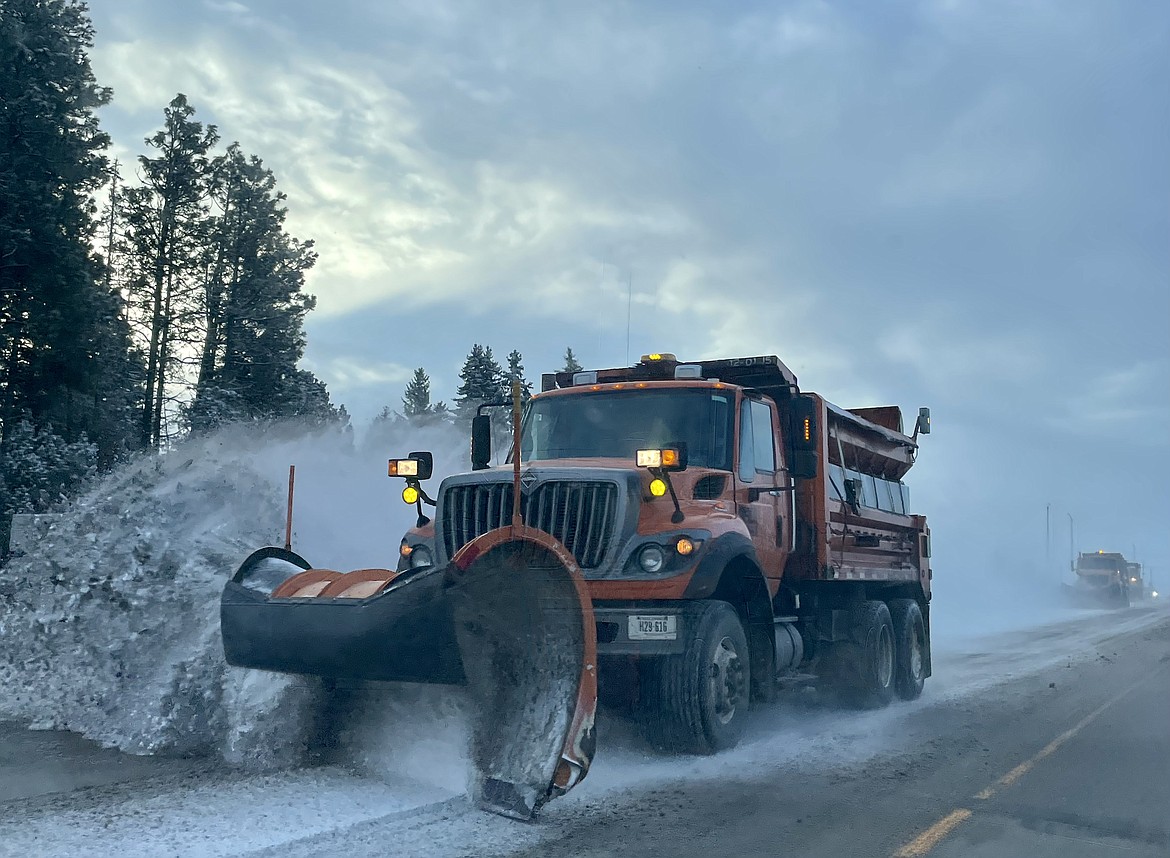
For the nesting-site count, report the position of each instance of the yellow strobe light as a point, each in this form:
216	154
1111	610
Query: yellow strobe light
410	495
657	487
807	429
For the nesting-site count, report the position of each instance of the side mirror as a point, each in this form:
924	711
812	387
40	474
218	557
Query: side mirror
804	464
426	463
853	493
481	442
804	443
922	425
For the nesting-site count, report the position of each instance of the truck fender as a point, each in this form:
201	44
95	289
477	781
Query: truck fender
718	555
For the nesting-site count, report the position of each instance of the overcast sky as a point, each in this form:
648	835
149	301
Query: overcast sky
963	204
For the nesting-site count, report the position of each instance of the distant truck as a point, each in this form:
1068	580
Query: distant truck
732	530
1137	582
1105	578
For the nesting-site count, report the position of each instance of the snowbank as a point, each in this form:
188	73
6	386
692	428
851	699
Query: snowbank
110	626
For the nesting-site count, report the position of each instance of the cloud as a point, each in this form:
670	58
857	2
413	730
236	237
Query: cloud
349	374
948	202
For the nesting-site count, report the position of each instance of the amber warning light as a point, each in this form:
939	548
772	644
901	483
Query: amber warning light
658	458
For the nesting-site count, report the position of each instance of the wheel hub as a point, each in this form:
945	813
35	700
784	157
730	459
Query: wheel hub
726	680
885	658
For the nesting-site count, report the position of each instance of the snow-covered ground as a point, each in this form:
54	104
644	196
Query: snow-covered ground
110	628
408	797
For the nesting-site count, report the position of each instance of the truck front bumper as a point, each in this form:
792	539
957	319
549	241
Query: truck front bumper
642	629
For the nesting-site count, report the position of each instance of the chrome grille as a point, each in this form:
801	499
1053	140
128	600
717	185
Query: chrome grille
581	515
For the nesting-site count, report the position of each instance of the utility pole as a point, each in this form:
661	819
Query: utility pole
1072	552
1047	537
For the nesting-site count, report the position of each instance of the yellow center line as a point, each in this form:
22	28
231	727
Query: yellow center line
1026	766
931	837
927	840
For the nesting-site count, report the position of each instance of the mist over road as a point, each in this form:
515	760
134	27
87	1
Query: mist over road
1045	741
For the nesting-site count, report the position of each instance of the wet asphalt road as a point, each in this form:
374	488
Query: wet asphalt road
1072	759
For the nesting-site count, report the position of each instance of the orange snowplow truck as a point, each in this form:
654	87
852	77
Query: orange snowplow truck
733	533
688	535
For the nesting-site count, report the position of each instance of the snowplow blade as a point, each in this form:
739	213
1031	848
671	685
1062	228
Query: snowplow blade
509	618
1094	597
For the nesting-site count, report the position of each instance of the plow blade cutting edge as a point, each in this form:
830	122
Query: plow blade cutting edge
509	618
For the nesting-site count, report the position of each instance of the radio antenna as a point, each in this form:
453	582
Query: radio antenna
629	311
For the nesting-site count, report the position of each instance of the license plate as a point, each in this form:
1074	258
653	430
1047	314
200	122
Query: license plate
653	627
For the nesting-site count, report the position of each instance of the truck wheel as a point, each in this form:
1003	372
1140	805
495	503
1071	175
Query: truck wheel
909	648
695	702
866	663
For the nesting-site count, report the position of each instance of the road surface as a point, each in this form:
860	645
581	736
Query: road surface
1053	741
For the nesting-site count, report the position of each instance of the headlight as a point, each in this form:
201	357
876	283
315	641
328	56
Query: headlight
420	557
651	558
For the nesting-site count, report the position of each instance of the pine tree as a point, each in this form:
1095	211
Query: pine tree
37	469
253	305
482	380
571	364
58	361
516	373
416	401
166	218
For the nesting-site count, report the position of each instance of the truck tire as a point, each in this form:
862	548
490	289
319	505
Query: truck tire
865	662
909	648
694	703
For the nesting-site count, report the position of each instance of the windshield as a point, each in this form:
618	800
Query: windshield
616	424
1098	563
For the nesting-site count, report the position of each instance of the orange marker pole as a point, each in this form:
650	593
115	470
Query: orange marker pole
517	519
292	470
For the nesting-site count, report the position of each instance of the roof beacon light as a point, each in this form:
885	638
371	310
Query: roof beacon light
654	358
585	377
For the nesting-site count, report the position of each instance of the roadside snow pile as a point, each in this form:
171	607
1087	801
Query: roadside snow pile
110	628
